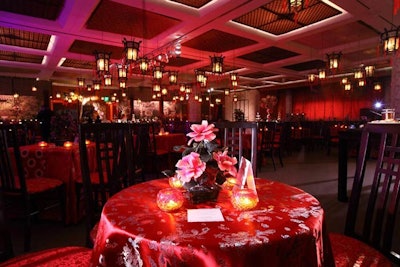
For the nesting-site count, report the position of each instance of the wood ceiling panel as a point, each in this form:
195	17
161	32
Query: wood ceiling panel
18	70
21	38
89	48
20	57
180	61
193	3
258	75
79	64
44	9
308	65
269	54
218	41
113	17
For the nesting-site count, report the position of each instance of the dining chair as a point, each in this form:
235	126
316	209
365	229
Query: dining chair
152	158
114	169
371	234
62	256
270	142
26	197
240	137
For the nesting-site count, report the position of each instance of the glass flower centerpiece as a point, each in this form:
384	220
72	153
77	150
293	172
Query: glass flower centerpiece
203	166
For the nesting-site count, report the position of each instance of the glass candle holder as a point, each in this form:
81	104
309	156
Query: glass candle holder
42	144
229	183
169	199
68	144
244	199
388	114
175	182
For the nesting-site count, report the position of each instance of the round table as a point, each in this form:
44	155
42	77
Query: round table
285	229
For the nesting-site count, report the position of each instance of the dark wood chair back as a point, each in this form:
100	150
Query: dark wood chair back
373	210
232	136
114	165
6	246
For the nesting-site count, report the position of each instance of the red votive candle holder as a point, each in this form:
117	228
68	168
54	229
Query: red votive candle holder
42	144
68	144
229	183
169	199
175	182
244	199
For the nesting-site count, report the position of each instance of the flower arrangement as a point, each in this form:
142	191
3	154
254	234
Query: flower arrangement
203	166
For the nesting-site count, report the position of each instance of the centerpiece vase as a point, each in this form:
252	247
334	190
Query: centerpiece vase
202	192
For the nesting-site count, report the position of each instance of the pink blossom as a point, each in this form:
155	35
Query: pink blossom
225	162
190	166
203	131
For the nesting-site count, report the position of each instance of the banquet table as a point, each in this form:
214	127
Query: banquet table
60	163
285	229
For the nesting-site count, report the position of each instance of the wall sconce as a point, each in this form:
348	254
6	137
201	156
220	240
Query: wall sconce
102	61
217	63
333	60
390	40
173	77
131	49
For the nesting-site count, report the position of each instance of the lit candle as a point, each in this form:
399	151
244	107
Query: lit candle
229	183
87	142
42	143
244	199
67	144
169	199
175	182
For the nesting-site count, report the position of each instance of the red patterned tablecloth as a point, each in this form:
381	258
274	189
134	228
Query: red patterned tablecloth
285	229
60	163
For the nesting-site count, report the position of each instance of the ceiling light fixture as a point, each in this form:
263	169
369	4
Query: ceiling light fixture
390	40
217	63
173	77
81	82
131	49
102	61
334	60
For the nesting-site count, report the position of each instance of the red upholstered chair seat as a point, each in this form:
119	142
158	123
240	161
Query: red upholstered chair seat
60	257
348	251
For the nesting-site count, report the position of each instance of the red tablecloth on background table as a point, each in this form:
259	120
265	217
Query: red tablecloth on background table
60	163
285	229
167	142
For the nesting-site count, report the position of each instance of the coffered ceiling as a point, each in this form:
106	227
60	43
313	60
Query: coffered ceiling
269	45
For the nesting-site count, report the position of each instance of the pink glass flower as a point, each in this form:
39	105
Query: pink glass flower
225	162
190	166
203	131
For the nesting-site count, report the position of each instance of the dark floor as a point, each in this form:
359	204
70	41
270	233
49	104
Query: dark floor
313	171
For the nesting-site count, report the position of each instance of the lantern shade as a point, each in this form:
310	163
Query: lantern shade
390	40
369	70
107	79
131	49
200	74
157	72
333	60
96	84
81	82
217	63
143	65
122	71
102	61
321	74
173	77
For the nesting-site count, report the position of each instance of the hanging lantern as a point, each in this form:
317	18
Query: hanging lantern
182	87
203	84
227	91
358	74
333	60
311	78
173	77
347	87
321	74
156	87
131	49
102	61
157	72
200	74
361	82
217	63
188	89
81	82
107	79
143	65
122	71
96	84
164	91
369	70
377	86
295	5
122	83
390	40
345	80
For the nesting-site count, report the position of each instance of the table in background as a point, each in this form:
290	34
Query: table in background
60	163
168	141
285	229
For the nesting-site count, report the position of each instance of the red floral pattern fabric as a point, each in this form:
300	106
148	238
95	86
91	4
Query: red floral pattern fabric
285	229
57	257
350	252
